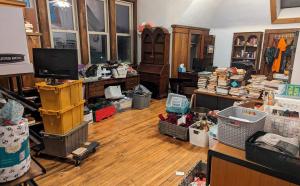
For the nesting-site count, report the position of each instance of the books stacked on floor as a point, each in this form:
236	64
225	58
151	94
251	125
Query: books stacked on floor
212	83
256	86
240	91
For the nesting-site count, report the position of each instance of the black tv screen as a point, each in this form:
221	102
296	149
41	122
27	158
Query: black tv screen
55	63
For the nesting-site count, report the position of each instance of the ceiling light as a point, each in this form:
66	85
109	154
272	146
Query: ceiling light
61	3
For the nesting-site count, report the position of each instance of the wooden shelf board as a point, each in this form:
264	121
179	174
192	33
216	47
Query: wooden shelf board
12	3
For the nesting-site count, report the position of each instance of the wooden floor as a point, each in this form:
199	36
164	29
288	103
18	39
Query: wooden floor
132	152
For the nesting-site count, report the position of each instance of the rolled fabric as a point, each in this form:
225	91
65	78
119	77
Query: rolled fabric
14	151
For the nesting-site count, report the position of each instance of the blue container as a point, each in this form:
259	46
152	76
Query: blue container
177	104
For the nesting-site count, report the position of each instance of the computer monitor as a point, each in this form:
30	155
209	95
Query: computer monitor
55	63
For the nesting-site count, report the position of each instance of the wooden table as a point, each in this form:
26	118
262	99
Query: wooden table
96	88
28	178
227	166
214	101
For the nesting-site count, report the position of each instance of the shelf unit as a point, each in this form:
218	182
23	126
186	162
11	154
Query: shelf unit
246	46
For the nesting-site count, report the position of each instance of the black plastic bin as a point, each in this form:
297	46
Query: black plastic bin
285	164
62	146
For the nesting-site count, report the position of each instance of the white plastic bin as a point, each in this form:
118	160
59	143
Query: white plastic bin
198	137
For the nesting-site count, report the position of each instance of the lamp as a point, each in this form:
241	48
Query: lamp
61	3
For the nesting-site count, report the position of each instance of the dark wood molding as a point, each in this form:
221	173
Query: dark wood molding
42	12
12	3
189	27
83	32
135	62
112	29
274	15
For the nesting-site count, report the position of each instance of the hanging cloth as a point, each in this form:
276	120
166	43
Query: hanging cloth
282	47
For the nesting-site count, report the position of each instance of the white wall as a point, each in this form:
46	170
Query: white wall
168	12
223	17
244	16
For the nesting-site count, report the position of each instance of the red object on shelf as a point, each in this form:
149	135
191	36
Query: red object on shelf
104	113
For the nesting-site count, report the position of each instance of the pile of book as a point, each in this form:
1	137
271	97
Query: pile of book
212	83
202	81
240	91
256	86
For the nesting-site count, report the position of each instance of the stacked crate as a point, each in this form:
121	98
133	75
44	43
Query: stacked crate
62	106
63	114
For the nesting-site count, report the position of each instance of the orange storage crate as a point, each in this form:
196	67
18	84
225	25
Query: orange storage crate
60	97
63	121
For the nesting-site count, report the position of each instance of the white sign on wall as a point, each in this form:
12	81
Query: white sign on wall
13	44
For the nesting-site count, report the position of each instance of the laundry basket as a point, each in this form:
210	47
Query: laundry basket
237	124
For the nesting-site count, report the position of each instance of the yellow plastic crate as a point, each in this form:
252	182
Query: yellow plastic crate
60	97
63	121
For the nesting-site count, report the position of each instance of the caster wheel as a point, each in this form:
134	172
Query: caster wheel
77	163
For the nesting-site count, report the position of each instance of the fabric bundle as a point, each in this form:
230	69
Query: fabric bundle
14	142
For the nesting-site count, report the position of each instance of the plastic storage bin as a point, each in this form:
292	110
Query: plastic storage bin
62	96
198	137
177	104
61	122
199	170
104	113
175	131
141	101
237	124
123	104
284	164
63	145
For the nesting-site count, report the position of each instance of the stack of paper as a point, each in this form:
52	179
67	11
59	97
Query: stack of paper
212	83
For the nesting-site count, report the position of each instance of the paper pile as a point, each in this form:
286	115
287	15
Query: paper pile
202	81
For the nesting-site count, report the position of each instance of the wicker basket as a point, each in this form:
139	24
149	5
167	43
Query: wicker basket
175	131
199	169
237	124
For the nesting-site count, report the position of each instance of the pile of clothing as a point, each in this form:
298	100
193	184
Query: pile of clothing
176	119
289	146
276	57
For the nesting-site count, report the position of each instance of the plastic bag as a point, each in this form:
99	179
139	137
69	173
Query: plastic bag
141	89
11	113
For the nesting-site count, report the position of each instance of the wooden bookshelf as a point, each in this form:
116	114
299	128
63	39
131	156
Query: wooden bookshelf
246	46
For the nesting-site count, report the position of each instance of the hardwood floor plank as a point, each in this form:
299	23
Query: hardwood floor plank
132	152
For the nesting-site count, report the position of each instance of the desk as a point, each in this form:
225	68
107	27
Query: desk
96	88
214	101
227	166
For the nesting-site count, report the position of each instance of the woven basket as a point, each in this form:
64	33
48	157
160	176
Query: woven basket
175	131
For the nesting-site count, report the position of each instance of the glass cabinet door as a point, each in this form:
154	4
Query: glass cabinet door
195	49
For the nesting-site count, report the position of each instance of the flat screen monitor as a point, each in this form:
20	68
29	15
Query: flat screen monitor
55	63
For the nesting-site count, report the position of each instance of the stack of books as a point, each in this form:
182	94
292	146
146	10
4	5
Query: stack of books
212	83
256	86
241	91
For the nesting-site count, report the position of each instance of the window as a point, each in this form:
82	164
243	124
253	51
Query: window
63	25
97	31
290	3
124	27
